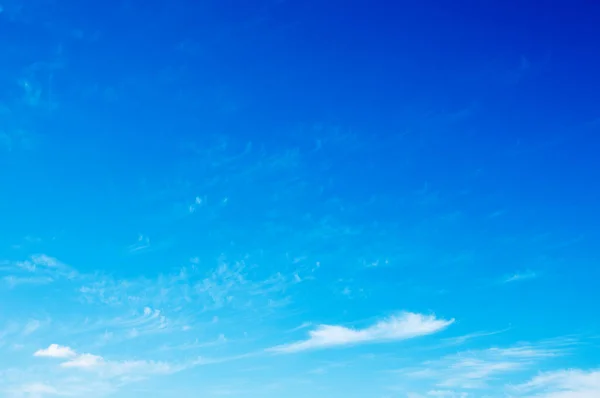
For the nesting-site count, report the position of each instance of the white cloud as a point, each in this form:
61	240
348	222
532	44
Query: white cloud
55	351
89	375
402	326
572	383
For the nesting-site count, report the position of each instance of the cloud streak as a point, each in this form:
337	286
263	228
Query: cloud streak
402	326
520	276
572	383
477	369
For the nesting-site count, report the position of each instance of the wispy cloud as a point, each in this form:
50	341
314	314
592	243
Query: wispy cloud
303	325
458	340
144	322
571	383
520	276
14	281
402	326
36	390
142	243
228	284
473	370
148	322
439	394
31	327
66	387
221	339
38	269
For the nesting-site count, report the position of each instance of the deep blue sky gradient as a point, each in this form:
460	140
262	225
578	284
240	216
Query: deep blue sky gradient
454	144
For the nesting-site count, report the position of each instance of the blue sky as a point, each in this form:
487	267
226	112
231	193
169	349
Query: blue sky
284	198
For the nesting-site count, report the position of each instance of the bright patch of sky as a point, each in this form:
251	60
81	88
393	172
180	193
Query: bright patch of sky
299	199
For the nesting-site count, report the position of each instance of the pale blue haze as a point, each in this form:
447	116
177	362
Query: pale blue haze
299	199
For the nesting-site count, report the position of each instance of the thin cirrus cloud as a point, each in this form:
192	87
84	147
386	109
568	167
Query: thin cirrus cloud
520	276
573	383
478	370
402	326
39	269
